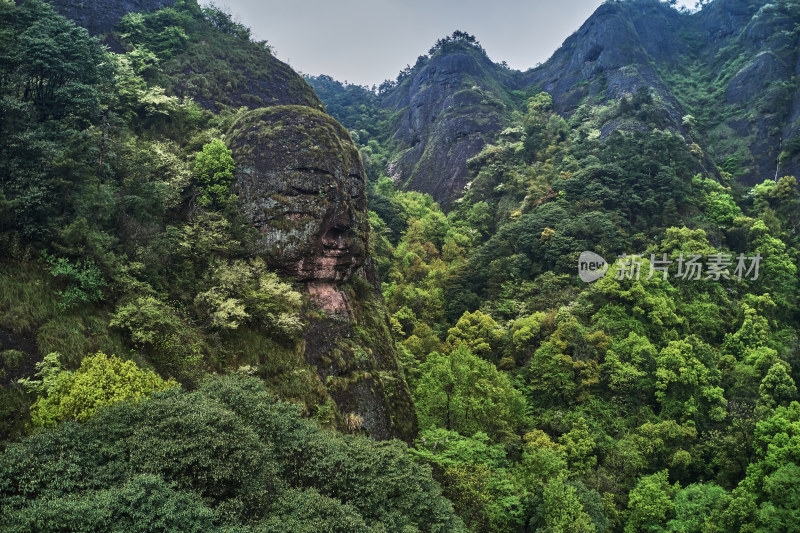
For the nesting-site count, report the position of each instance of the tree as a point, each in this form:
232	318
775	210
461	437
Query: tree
777	387
650	503
101	380
157	328
462	392
224	457
686	387
213	170
479	333
695	507
562	511
579	445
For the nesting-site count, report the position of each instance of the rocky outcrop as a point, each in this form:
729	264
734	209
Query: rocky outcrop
300	180
612	55
750	46
100	16
215	68
448	109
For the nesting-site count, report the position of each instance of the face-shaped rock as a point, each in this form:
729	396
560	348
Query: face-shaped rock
300	179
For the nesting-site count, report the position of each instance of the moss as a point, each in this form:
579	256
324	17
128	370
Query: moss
292	126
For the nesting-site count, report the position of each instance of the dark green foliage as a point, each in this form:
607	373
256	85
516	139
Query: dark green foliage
84	281
634	388
227	455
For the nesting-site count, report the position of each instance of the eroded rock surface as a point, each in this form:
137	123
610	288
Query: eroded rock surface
99	16
300	180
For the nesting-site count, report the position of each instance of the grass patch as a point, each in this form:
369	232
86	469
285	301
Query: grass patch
27	298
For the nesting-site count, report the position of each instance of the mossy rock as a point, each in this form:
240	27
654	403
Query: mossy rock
300	179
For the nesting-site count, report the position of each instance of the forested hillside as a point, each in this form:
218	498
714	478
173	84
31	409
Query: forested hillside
657	401
235	299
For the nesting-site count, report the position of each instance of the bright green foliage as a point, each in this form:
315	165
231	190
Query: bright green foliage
716	201
100	381
245	292
472	474
462	392
684	383
157	328
578	445
107	157
566	366
777	387
444	447
778	272
525	333
781	510
478	333
542	460
629	367
696	507
651	503
213	172
562	511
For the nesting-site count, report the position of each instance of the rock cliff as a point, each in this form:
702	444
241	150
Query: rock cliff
733	66
300	180
100	17
447	110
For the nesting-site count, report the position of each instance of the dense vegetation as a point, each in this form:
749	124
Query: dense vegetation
548	404
129	272
655	404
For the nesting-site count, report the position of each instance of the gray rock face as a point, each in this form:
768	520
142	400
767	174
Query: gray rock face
450	108
100	16
723	19
300	180
611	54
755	77
624	46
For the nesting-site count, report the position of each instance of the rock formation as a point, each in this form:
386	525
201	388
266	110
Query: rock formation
737	58
300	180
450	108
100	17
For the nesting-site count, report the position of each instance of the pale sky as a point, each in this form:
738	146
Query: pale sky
367	41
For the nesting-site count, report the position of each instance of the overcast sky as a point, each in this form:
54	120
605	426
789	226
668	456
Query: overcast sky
367	41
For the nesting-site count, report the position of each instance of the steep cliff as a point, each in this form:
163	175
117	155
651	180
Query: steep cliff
301	182
732	67
101	17
202	53
447	109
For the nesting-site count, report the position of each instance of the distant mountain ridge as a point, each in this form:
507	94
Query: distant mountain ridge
732	66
